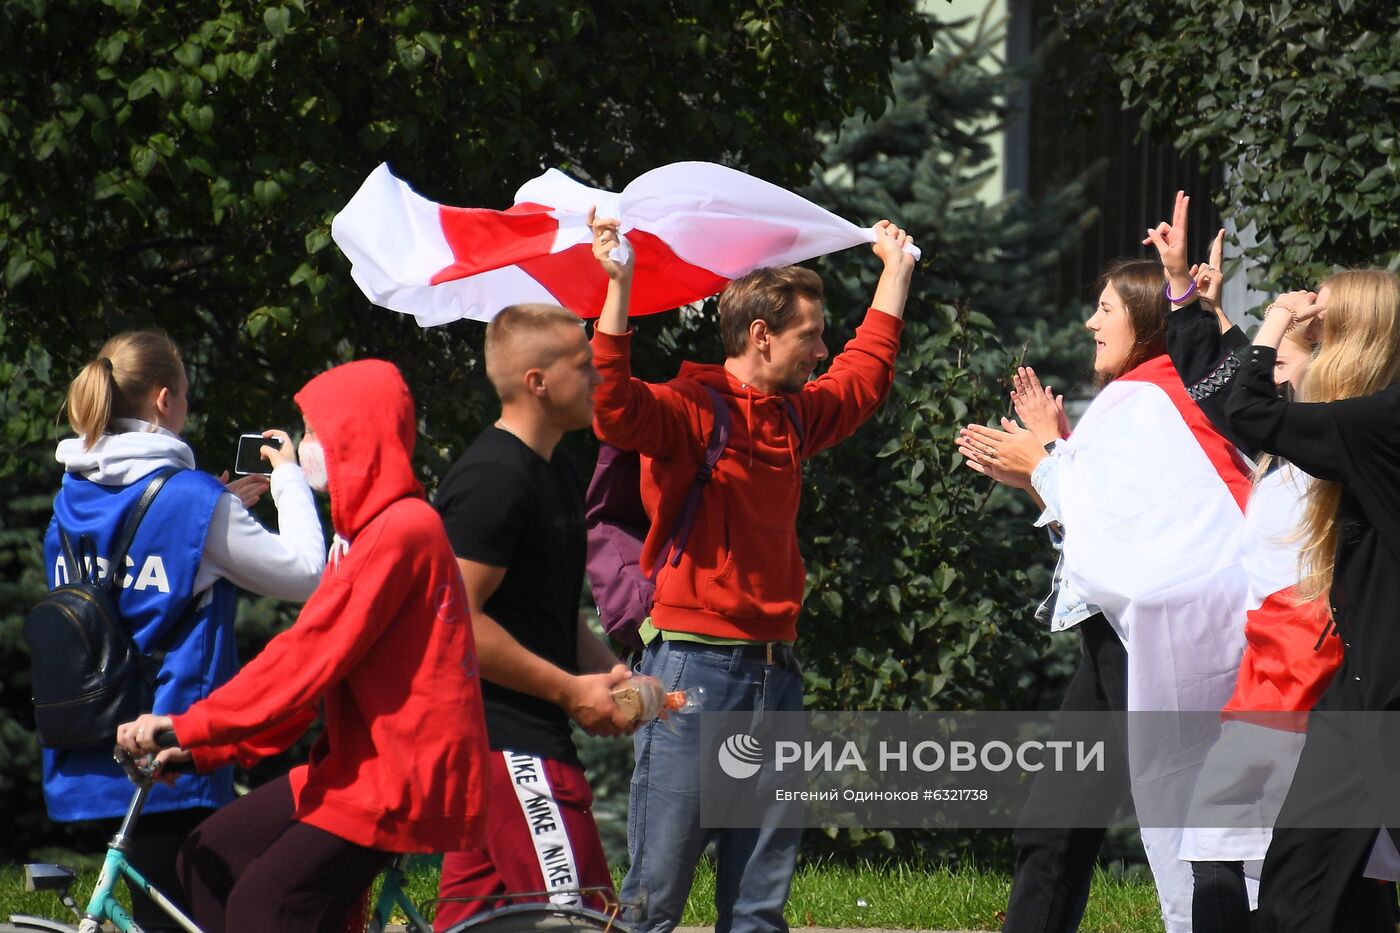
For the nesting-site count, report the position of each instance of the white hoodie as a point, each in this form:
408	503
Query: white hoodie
286	565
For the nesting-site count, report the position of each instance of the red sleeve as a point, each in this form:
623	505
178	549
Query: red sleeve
654	420
255	748
855	386
338	624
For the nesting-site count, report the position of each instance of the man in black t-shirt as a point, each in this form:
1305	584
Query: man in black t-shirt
513	508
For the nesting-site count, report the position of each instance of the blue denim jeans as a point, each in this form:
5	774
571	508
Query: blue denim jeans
664	837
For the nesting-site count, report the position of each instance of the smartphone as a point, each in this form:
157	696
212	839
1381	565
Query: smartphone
248	459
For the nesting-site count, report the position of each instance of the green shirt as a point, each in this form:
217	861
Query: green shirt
649	633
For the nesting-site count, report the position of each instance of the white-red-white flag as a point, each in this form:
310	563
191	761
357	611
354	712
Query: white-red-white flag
694	226
1152	500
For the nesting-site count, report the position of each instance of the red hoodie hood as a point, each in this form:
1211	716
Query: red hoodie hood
362	414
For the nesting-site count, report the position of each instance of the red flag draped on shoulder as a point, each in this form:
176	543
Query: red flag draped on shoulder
694	226
1288	661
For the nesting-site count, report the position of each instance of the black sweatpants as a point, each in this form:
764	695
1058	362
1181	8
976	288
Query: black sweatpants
252	866
1312	881
1050	887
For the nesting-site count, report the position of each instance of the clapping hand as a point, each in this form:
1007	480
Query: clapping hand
1040	409
1008	456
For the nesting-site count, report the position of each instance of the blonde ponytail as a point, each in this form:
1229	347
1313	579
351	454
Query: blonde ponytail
120	381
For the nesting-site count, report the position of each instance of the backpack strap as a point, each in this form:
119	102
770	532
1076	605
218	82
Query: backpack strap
797	428
133	521
76	569
719	439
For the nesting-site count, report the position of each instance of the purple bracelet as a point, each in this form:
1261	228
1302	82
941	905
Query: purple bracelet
1178	299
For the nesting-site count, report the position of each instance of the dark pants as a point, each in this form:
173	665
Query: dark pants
1312	881
1219	900
151	850
252	866
1050	887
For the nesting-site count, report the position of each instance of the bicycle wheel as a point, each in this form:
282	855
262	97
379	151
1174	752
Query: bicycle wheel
524	918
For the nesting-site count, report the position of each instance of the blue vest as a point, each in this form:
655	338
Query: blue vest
158	603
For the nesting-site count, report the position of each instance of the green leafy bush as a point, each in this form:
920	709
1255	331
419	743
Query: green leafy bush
1297	99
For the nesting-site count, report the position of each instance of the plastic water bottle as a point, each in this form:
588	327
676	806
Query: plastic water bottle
684	701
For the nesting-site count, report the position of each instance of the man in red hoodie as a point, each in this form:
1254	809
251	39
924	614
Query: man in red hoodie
725	617
384	648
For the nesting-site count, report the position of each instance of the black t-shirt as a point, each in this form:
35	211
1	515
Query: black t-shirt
506	506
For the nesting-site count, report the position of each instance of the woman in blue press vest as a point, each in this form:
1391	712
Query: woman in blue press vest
195	547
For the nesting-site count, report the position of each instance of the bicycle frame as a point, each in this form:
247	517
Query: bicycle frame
391	895
103	905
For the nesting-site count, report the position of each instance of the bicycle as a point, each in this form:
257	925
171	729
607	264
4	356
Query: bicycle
103	906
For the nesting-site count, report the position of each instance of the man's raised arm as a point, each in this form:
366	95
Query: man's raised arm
627	412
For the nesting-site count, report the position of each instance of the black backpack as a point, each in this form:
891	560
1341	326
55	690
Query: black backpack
88	676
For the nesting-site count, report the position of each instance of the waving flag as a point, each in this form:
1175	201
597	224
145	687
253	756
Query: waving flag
694	226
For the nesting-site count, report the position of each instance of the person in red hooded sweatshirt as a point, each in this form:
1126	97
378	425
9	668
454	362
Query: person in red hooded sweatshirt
725	612
384	649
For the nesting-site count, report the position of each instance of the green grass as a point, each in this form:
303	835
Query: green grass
888	896
893	896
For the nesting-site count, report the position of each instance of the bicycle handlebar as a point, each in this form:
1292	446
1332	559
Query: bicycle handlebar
141	770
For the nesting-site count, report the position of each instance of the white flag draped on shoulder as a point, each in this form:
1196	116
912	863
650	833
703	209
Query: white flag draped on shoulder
694	226
1152	500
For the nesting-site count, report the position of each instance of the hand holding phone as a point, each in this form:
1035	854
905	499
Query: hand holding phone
249	457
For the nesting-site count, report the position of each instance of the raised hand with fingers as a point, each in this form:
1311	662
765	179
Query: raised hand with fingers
1039	408
1210	280
1170	240
249	489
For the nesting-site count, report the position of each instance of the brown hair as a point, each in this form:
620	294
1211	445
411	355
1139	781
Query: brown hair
1360	355
118	383
521	337
767	295
1139	283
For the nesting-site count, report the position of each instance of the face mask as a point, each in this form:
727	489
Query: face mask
313	463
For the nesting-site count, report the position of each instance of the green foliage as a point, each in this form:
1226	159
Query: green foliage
178	165
1298	99
936	578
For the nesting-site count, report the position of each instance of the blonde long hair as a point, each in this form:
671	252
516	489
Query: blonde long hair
1360	355
119	381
